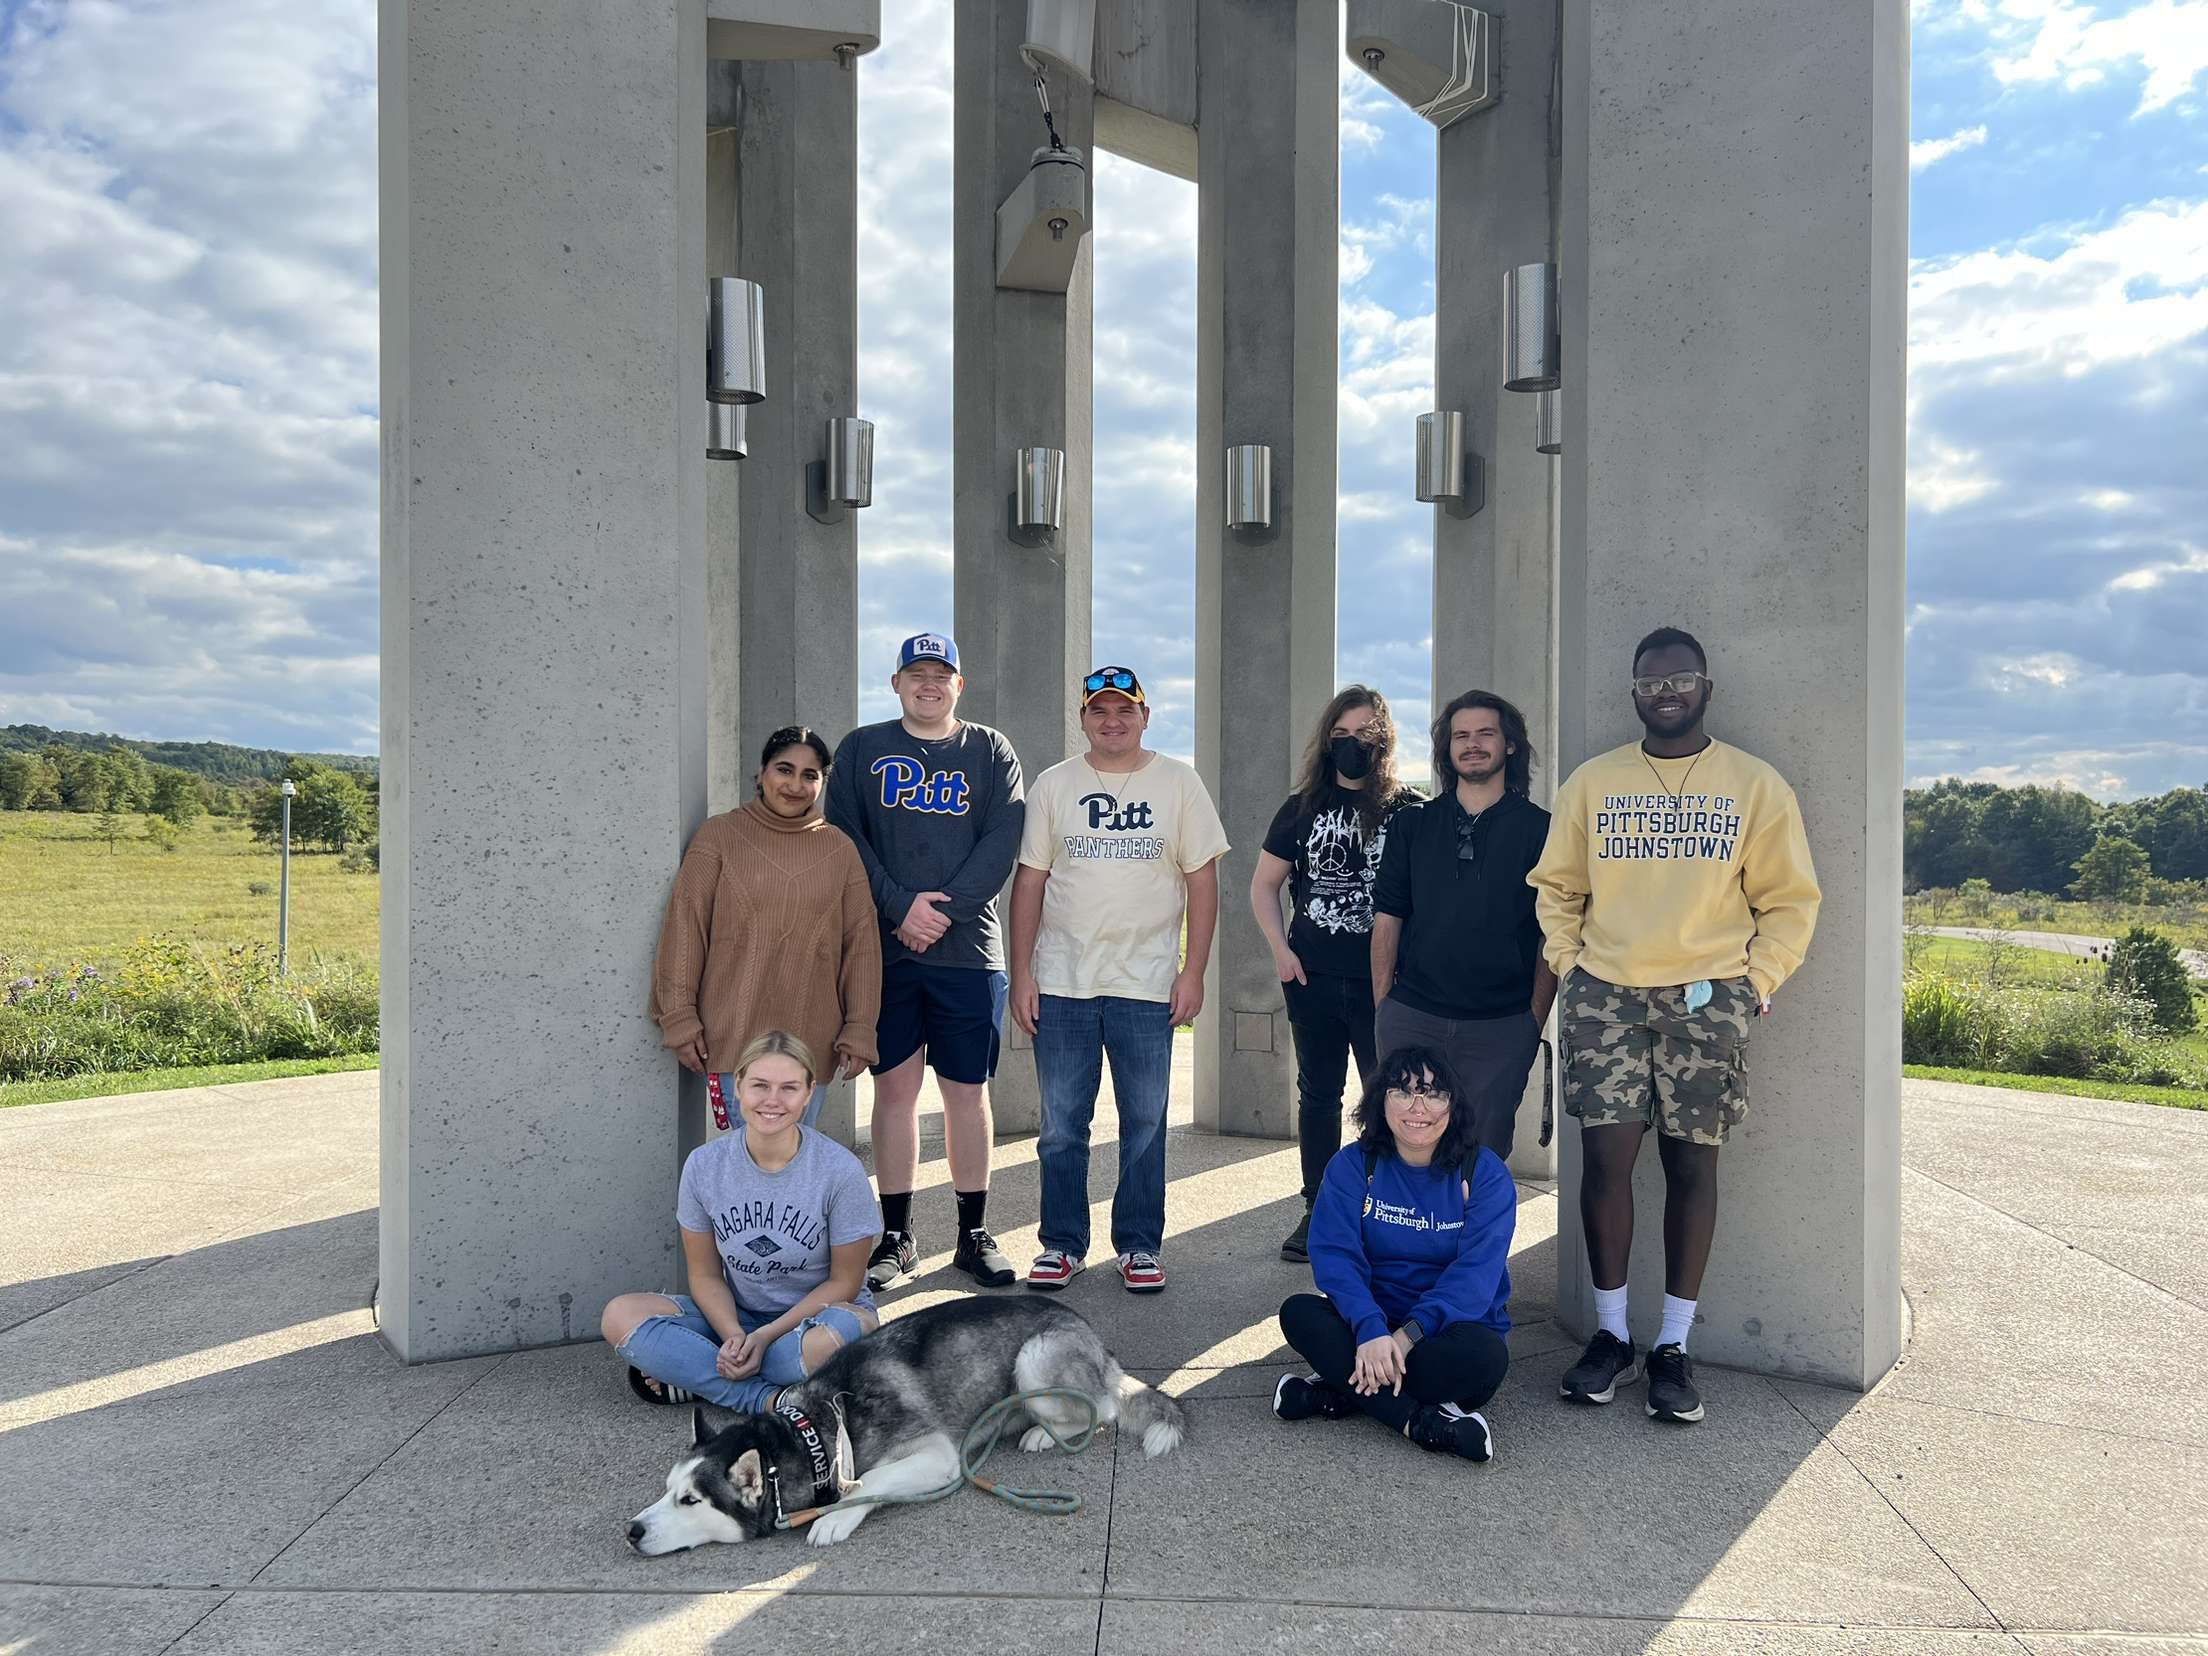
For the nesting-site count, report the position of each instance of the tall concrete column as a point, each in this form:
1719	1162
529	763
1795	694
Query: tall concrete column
1021	374
1268	197
797	236
1495	571
1734	256
543	437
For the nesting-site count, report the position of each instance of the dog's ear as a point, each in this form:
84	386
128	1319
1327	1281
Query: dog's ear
699	1430
749	1478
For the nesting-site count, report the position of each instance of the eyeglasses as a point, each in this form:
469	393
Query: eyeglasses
1404	1095
1468	843
1679	684
1108	678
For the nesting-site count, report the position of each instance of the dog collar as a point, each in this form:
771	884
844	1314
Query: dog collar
827	1484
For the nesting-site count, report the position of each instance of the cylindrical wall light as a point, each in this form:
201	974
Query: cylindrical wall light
1548	422
735	341
724	431
1532	352
845	479
851	461
1038	490
1250	486
1441	455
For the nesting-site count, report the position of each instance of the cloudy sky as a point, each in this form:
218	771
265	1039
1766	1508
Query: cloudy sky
188	379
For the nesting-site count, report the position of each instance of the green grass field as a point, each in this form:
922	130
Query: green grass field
65	898
107	1084
1969	961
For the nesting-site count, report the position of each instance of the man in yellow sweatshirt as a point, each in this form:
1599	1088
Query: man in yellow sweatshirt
1675	895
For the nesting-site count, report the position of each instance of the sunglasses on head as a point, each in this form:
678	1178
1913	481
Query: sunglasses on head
1108	678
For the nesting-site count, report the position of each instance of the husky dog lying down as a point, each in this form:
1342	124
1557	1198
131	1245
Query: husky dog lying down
885	1416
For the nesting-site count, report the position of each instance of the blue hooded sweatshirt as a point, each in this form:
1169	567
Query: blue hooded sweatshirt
1411	1245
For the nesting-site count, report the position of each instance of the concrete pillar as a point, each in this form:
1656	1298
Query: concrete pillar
543	426
1494	572
1734	255
1268	177
794	599
1021	371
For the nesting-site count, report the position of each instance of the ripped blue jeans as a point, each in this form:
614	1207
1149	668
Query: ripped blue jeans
680	1351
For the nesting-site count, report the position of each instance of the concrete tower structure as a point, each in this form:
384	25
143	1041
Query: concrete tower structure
592	625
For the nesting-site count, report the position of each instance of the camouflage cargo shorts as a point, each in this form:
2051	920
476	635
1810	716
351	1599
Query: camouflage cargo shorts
1640	1055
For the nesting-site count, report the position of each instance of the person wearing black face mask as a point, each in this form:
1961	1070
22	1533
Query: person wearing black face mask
1324	846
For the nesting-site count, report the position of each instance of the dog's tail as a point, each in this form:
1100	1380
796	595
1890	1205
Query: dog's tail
1148	1412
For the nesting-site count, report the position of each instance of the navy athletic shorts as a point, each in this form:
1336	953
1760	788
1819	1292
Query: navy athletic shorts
954	1014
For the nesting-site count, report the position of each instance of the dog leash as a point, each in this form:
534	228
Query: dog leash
980	1442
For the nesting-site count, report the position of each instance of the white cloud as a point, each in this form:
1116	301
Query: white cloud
2064	41
1926	151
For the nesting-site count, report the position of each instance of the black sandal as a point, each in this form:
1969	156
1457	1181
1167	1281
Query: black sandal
655	1391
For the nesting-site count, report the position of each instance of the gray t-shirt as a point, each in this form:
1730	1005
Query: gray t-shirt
774	1230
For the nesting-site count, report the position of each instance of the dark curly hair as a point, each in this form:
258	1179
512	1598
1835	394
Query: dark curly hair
1412	1067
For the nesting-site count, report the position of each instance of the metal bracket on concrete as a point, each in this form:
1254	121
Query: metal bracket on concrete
1041	223
1437	56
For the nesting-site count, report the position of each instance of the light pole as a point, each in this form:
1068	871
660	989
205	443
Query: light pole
283	889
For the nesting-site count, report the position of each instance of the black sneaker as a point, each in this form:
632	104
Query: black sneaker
1671	1393
1450	1430
1603	1367
893	1256
978	1255
1302	1396
1297	1246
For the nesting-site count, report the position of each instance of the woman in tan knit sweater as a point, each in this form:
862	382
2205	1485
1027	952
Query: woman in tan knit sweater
771	926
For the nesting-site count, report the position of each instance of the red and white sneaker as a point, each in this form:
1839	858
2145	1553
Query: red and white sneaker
1140	1273
1054	1268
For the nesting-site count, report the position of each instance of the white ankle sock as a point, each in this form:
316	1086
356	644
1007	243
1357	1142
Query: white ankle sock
1610	1312
1678	1319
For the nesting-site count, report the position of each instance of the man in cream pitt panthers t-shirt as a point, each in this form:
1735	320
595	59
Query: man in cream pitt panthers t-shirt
1119	843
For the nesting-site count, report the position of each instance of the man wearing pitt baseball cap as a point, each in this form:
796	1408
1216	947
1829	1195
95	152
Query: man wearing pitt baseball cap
935	807
928	647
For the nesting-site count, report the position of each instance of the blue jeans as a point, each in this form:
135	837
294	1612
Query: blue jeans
680	1350
1072	1037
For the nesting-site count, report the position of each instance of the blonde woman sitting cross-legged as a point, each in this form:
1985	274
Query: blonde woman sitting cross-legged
777	1220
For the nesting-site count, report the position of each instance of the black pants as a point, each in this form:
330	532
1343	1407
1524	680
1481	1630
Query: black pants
1464	1364
1330	1019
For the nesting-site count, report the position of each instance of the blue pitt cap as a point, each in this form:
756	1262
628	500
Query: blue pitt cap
928	647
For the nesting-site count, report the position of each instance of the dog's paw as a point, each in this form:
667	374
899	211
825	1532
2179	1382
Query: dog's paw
1036	1439
829	1528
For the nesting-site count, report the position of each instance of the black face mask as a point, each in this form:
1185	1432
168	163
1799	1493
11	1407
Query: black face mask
1352	759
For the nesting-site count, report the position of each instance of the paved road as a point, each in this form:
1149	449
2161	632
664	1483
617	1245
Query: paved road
2069	943
205	1450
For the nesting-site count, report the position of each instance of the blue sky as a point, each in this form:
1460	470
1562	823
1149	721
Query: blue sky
188	378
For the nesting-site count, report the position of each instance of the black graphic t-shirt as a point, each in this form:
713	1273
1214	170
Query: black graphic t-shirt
1330	876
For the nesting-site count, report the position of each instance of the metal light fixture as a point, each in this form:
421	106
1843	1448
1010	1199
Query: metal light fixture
735	341
1548	422
1062	34
1532	352
844	482
1250	486
724	431
1038	492
1447	474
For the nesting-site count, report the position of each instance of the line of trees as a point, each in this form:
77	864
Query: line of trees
333	809
2052	840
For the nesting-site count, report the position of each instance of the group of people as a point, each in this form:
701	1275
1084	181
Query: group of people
847	916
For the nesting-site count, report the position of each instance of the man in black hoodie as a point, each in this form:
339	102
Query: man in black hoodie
1456	951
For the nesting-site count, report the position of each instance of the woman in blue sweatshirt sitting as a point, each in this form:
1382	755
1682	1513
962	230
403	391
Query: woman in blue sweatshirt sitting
1410	1247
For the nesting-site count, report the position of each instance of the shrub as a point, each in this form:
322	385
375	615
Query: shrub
2097	1033
2145	964
177	1003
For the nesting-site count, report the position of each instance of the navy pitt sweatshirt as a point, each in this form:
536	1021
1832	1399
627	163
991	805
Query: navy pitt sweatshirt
1411	1245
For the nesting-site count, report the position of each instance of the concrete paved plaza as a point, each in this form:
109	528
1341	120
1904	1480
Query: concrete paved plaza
203	1445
